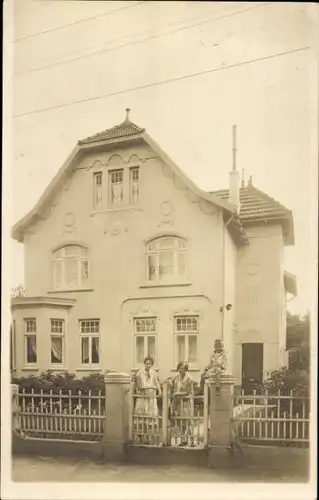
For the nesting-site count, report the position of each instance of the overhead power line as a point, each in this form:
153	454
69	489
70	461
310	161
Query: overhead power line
163	82
151	37
132	35
80	21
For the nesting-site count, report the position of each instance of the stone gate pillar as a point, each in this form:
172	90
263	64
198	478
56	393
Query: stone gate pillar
117	414
220	417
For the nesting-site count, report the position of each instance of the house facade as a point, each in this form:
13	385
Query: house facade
125	257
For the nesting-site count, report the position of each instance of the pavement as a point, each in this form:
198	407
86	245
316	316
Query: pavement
44	469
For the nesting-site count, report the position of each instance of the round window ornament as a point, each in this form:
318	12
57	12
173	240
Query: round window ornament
166	208
69	219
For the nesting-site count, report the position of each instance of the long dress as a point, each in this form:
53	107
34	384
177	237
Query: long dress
182	407
147	385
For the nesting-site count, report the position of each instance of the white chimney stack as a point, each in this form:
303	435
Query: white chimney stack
234	178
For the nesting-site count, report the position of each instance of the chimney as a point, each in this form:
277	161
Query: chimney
234	177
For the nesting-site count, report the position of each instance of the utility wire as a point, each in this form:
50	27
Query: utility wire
135	42
163	82
80	21
137	33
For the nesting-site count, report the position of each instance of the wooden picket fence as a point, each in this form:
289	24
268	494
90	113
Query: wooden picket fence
282	419
61	415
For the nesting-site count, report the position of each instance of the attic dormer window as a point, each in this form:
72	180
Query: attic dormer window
70	267
97	190
116	194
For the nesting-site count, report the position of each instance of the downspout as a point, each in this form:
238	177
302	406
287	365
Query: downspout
224	273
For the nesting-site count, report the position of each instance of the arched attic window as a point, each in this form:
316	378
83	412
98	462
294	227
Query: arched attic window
166	259
70	267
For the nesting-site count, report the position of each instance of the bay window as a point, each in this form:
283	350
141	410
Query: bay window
57	341
30	341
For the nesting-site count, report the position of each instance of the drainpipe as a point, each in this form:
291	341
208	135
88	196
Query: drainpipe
224	273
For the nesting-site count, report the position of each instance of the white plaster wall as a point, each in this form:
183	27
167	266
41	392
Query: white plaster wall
259	295
116	241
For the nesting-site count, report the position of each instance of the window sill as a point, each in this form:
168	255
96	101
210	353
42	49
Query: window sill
71	290
53	368
161	285
88	368
30	368
116	209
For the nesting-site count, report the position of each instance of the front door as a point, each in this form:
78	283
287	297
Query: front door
252	366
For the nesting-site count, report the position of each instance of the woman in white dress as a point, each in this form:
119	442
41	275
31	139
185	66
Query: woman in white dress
147	388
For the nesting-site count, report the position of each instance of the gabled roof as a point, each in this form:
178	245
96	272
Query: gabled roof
256	207
126	132
124	129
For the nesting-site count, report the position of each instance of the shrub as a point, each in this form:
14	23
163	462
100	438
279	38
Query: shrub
62	381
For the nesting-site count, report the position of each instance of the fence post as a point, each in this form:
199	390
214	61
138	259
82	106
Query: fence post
117	414
165	414
15	406
220	417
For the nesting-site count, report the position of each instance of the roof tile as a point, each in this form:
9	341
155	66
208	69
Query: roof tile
125	129
255	204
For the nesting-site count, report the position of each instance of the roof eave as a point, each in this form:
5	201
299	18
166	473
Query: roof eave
286	222
101	143
20	227
202	194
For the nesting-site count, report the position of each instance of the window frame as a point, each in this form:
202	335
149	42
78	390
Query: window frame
97	204
27	334
62	261
132	183
13	346
90	365
186	334
111	172
145	335
175	278
60	335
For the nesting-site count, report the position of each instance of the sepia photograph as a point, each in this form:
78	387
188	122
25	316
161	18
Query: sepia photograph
159	291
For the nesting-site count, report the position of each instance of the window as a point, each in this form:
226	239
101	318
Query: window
57	341
90	341
13	345
144	339
116	193
166	259
134	185
30	338
97	190
186	333
70	267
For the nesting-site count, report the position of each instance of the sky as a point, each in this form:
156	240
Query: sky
68	54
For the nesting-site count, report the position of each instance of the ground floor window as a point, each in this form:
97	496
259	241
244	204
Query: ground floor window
144	339
90	341
57	341
30	340
186	339
13	345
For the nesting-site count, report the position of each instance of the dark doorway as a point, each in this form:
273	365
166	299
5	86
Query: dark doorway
252	366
